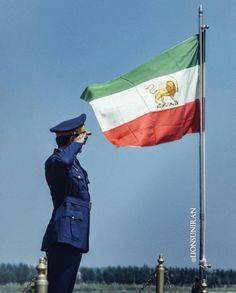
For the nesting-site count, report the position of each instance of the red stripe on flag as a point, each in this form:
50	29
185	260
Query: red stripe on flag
157	127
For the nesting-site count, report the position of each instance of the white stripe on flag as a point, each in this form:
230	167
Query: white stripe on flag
119	108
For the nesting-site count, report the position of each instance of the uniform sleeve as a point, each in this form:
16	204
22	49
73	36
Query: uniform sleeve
67	156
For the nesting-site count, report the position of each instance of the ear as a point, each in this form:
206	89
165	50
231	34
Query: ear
72	138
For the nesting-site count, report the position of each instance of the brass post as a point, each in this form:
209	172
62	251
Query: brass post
160	275
41	283
204	286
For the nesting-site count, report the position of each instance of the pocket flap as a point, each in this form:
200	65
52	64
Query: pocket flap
75	215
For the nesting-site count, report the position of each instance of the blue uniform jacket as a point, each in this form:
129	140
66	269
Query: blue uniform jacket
68	183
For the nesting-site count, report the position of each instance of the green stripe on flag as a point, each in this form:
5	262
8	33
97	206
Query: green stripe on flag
180	57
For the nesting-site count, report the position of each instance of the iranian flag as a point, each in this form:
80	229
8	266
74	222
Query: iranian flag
155	103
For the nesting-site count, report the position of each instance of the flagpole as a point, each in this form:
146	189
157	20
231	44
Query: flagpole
202	256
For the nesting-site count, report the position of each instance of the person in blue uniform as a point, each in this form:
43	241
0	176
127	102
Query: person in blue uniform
67	235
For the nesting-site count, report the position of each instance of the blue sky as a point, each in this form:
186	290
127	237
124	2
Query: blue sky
50	51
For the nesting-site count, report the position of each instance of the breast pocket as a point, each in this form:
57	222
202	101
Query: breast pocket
80	183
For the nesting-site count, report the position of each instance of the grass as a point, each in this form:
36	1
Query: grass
10	288
114	288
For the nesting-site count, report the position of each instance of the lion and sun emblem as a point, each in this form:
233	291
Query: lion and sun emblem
165	93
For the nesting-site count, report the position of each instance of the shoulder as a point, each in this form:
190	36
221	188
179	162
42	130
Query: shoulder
52	159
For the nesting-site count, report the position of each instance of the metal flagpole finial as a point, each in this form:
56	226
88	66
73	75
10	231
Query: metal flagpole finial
203	27
200	11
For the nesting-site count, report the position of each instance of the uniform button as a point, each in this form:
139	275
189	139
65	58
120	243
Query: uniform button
73	217
79	176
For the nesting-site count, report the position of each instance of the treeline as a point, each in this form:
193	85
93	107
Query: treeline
21	273
138	275
12	273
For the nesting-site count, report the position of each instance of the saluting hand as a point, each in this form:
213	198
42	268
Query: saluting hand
81	137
